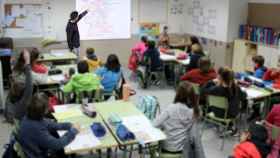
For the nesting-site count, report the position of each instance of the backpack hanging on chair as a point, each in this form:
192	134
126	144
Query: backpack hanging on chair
149	106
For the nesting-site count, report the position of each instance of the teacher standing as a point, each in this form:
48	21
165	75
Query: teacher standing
72	32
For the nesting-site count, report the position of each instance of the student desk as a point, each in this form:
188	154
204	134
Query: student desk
55	81
106	142
177	65
256	95
55	57
122	109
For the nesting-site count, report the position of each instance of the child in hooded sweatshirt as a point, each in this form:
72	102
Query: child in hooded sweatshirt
83	81
92	60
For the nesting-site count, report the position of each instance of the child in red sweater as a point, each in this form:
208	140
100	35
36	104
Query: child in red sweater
274	76
36	66
201	75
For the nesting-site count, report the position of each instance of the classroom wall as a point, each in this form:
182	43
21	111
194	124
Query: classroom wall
221	54
238	13
266	15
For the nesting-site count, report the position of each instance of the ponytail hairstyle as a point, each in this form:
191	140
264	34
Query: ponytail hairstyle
227	76
185	94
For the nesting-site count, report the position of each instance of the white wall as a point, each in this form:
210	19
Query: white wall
238	13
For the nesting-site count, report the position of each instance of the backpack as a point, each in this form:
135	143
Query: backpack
149	106
132	62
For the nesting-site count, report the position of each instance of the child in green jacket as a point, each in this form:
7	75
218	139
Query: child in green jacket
83	81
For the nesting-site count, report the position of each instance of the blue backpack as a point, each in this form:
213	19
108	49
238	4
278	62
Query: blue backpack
149	106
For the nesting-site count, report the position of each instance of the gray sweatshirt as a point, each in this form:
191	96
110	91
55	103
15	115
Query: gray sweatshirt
175	121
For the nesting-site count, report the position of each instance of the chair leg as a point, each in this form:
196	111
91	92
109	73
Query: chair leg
203	128
223	141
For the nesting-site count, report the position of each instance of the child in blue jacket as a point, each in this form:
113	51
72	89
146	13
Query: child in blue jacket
110	74
259	67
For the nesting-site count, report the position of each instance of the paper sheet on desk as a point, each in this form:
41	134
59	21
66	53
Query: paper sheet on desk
57	78
166	57
59	52
68	114
143	129
252	93
83	140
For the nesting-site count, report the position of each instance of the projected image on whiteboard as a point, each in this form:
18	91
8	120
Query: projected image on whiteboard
107	19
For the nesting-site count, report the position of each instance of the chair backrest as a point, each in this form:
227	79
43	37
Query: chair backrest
218	102
275	133
92	96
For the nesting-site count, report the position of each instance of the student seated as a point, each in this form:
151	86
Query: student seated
92	60
18	71
225	86
273	75
140	48
178	118
259	68
195	55
83	81
20	93
201	75
110	74
153	55
253	143
36	134
37	67
191	41
274	116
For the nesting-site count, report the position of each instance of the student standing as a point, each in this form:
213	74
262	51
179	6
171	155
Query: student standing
164	39
72	31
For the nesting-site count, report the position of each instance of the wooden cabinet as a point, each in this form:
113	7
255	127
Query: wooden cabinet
245	50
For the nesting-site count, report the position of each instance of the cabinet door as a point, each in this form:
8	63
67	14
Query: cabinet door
240	56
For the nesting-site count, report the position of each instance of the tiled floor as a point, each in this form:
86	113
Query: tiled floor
211	142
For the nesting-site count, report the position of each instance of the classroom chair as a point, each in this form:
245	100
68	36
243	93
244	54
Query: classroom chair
275	133
224	122
145	74
77	97
19	150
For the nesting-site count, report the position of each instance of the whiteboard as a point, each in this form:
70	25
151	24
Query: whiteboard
106	19
153	11
208	18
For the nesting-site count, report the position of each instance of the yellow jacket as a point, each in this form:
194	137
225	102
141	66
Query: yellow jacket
93	64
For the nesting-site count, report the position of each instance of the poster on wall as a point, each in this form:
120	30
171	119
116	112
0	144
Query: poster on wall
149	29
23	20
206	18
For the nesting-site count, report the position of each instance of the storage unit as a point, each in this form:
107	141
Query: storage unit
245	50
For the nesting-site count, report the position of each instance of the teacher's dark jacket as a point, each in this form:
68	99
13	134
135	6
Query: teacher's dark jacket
72	32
